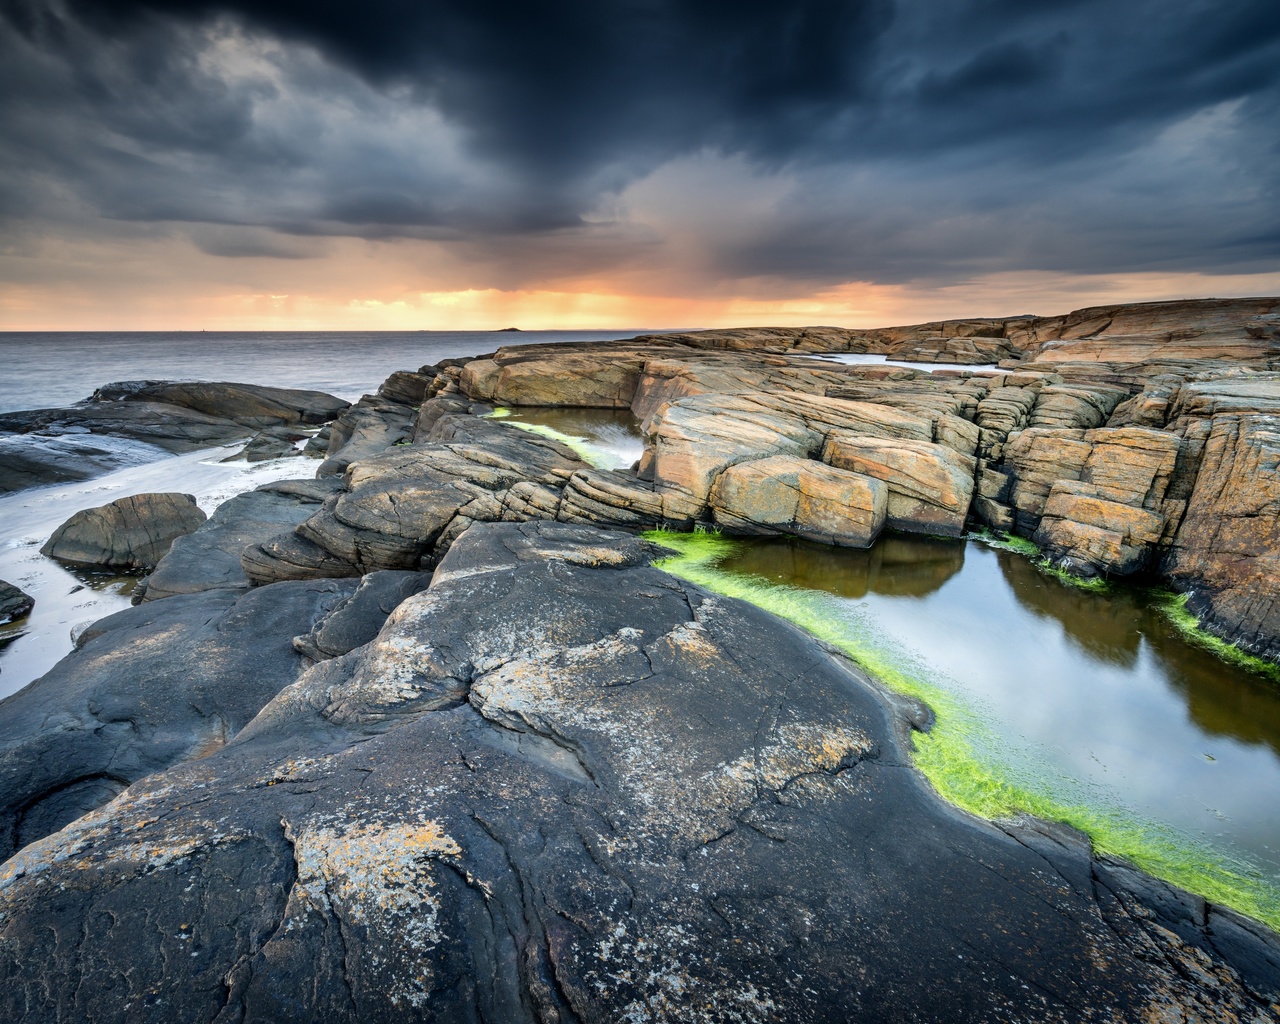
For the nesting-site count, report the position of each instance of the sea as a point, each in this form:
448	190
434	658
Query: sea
53	369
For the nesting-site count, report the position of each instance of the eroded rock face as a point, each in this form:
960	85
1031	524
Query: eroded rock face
554	789
1227	551
133	532
800	497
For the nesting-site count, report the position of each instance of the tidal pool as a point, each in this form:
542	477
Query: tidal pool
606	438
1085	707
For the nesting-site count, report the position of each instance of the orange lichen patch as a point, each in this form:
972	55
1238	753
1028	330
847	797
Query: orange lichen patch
295	769
380	876
690	641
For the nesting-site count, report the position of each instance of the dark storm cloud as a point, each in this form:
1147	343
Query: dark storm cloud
922	139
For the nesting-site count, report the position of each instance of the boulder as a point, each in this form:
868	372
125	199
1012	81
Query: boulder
786	495
129	533
695	439
561	785
250	405
264	447
368	428
1090	534
929	485
14	603
146	688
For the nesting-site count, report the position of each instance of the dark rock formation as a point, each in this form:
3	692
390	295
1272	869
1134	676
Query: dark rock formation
561	785
209	558
147	687
356	620
263	447
133	532
14	604
143	419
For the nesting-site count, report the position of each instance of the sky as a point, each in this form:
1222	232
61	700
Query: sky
454	164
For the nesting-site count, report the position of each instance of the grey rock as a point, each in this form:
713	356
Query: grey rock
356	621
263	447
209	558
14	603
146	687
133	532
562	785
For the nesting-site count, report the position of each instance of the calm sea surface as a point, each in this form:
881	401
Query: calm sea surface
42	370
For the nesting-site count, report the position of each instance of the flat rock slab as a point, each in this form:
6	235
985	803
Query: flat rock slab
133	532
209	558
148	686
563	785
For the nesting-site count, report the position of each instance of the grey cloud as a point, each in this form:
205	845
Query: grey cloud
924	141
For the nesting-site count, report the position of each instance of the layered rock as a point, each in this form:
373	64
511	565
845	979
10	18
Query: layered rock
1227	551
133	532
800	497
929	485
554	788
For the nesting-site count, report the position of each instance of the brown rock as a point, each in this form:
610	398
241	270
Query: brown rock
1227	551
1090	534
930	486
799	496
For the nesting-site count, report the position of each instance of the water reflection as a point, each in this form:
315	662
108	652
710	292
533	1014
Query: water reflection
895	567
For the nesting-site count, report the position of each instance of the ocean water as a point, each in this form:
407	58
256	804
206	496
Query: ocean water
44	370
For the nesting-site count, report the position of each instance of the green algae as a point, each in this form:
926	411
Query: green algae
963	758
579	446
1029	550
1188	626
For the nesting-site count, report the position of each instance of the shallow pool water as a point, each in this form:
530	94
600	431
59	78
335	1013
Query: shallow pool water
607	438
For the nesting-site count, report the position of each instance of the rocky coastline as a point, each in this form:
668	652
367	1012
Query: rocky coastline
429	737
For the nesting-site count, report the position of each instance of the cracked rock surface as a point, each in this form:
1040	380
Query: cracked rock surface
561	785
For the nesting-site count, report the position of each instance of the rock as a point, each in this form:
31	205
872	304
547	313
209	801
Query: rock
786	495
14	604
129	533
209	558
1075	405
250	405
368	428
264	447
929	485
39	459
1089	534
355	621
695	439
147	687
602	497
578	376
555	788
395	508
1227	550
